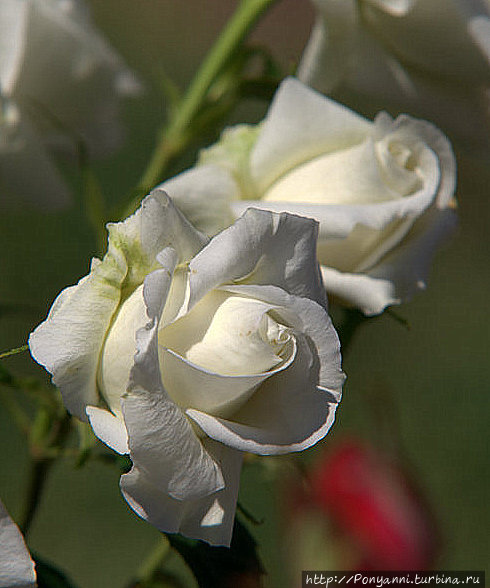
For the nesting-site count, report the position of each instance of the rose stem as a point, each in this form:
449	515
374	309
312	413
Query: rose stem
174	136
153	561
41	463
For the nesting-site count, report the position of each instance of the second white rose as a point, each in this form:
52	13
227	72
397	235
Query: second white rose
382	191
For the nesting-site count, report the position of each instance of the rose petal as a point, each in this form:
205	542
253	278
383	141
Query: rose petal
423	131
70	341
203	194
400	273
162	442
295	408
16	566
425	60
349	176
163	225
371	295
309	319
108	428
227	335
209	519
220	395
118	350
164	446
287	413
408	265
301	124
261	249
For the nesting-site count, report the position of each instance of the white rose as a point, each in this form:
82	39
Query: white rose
380	190
54	65
429	57
187	352
16	565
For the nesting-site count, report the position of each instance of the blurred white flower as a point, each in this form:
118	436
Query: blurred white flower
381	190
427	57
16	566
58	79
187	352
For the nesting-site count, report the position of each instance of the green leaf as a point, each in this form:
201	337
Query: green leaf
221	567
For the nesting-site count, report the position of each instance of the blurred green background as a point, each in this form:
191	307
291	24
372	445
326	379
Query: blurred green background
437	374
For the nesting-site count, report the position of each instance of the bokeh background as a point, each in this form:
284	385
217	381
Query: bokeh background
430	382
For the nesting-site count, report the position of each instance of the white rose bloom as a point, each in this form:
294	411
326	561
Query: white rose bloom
186	352
54	66
16	566
429	57
381	190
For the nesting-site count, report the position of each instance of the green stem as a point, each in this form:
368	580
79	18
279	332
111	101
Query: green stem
40	466
154	561
37	478
14	351
175	136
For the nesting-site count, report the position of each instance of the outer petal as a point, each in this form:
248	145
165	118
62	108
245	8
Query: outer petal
162	442
164	446
203	194
70	341
27	174
162	225
400	273
295	408
108	428
16	565
209	519
260	248
300	125
371	295
408	265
